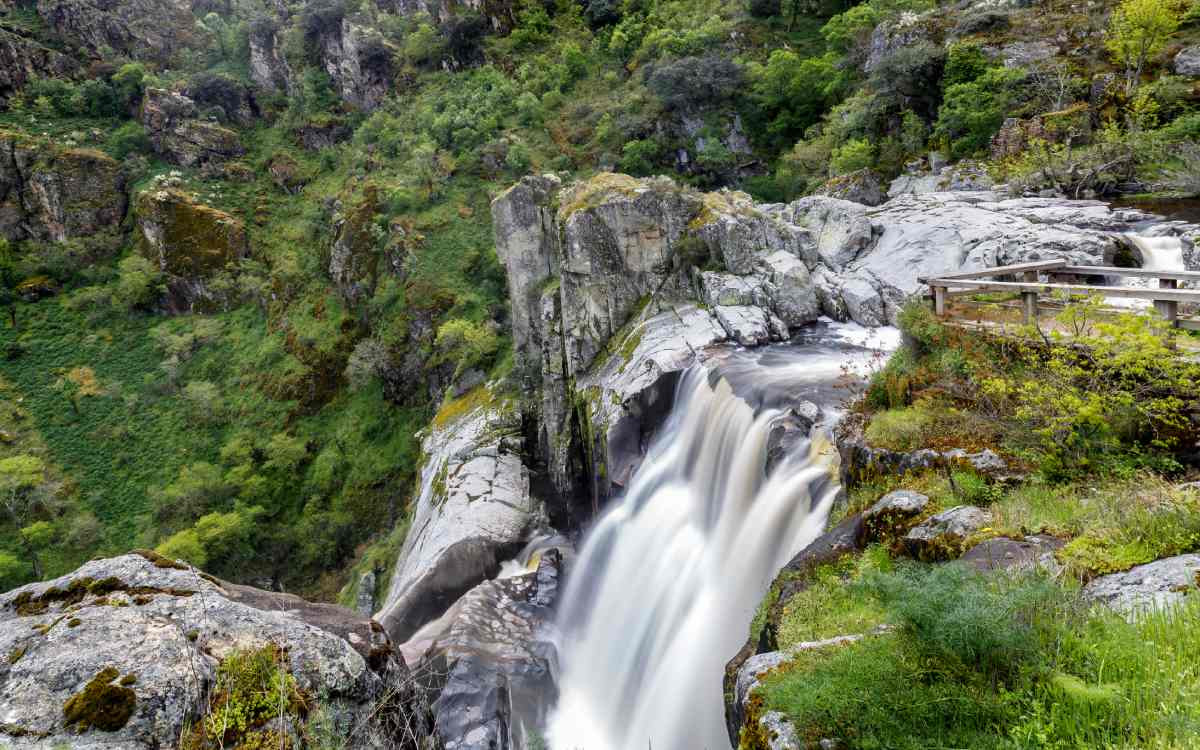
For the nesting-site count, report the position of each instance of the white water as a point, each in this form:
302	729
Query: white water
669	578
1158	254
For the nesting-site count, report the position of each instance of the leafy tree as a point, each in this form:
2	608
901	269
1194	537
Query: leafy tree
849	32
640	157
696	82
1137	31
965	62
129	82
973	112
22	481
791	92
205	401
129	138
199	488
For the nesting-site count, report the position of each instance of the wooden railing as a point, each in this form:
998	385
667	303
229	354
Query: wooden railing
1166	297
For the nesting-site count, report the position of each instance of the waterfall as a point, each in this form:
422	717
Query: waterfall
1158	254
669	578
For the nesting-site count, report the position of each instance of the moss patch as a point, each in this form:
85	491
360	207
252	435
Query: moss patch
101	704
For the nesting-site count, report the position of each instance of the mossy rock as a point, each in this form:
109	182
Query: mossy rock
185	238
101	704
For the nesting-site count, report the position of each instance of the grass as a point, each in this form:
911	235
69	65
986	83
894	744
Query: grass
829	607
998	663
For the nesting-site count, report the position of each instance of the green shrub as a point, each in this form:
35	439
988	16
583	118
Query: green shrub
128	139
965	62
967	622
852	156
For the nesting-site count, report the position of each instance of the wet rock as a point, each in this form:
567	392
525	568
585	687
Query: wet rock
188	241
1157	585
890	516
498	684
56	194
472	514
168	626
749	326
942	535
790	434
1187	61
176	132
864	186
1003	553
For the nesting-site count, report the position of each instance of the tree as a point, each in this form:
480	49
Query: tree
1137	31
22	485
791	92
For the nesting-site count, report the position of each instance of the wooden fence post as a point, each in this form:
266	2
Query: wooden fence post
1030	300
939	301
1169	309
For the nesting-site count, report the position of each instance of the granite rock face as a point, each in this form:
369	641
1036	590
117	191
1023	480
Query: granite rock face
55	194
493	663
176	132
1187	61
169	626
591	264
358	62
1157	585
474	512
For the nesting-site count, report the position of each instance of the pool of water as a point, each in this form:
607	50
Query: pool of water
1183	209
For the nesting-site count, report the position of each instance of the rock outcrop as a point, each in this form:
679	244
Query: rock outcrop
56	194
492	661
172	122
163	628
188	241
141	29
474	512
358	62
269	68
23	59
1157	585
590	264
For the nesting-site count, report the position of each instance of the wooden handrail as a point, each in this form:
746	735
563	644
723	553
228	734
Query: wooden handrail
1140	273
1044	265
1176	295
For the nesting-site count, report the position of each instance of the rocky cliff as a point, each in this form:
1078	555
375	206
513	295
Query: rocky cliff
55	194
615	282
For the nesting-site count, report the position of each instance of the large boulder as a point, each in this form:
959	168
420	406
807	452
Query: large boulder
474	511
176	132
491	651
1187	61
1002	553
863	186
188	241
1157	585
56	194
163	628
943	535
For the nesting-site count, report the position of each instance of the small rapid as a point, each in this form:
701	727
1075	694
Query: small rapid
1158	254
669	578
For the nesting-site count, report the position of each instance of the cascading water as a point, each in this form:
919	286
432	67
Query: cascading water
1158	254
668	580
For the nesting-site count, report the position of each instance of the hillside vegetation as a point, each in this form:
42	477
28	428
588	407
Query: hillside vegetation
348	151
